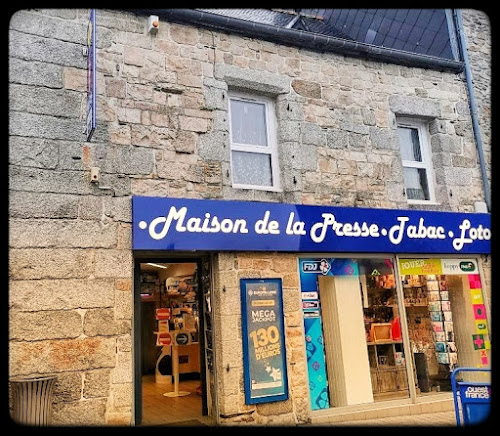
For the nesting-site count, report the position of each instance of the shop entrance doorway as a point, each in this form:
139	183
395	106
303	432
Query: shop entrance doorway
170	374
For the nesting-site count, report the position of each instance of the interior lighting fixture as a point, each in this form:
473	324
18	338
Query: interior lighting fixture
157	265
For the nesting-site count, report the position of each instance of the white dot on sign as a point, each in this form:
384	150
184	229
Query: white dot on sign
384	232
143	225
450	234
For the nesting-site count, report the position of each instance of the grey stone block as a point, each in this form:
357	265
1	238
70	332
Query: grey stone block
414	106
44	263
313	134
216	98
337	138
33	152
49	181
123	159
288	109
298	156
384	139
63	294
214	146
458	176
252	80
38	48
24	204
51	324
44	233
35	73
289	131
49	27
446	143
45	126
47	101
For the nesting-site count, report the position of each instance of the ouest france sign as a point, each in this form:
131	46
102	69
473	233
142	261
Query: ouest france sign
218	225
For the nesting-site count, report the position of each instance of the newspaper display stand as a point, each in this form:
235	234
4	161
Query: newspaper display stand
472	399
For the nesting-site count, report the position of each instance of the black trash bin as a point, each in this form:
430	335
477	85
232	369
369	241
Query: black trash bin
32	400
424	382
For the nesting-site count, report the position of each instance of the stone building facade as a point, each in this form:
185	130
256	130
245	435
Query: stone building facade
162	130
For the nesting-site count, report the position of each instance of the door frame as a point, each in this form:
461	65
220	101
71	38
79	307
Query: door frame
164	257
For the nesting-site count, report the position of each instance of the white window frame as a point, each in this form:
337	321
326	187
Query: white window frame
426	154
271	149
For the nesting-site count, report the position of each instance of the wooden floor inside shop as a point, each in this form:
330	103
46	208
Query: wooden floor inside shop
160	410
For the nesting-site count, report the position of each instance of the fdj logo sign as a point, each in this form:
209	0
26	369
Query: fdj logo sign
316	266
467	266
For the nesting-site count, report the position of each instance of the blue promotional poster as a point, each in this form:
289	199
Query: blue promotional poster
264	352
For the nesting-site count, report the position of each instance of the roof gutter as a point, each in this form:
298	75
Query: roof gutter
309	40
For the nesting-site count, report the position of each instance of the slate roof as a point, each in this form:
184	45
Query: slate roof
423	31
281	19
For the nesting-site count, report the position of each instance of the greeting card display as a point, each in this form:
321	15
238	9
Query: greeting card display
434	306
445	306
437	326
432	285
441	347
439	336
433	295
436	316
444	295
441	321
443	358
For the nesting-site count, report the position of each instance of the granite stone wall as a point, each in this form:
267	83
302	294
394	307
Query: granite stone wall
162	130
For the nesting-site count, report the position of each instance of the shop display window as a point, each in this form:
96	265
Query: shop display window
383	329
446	318
354	312
359	357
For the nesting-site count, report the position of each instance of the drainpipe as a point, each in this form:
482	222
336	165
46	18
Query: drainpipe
472	103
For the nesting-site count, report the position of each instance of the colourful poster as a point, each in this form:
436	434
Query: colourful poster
419	266
316	365
479	311
484	357
474	281
481	326
479	343
476	296
264	352
441	266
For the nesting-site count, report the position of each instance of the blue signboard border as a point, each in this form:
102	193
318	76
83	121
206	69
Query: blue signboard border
244	327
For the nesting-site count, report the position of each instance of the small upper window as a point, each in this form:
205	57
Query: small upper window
417	164
254	162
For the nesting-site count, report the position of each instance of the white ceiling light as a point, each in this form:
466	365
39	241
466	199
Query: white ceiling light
157	265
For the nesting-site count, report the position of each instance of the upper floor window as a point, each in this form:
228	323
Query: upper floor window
252	132
417	163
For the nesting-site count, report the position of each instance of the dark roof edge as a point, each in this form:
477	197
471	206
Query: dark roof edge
312	41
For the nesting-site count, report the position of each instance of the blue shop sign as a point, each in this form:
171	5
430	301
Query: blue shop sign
186	224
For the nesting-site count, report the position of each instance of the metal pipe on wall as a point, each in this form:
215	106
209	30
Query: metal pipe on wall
472	103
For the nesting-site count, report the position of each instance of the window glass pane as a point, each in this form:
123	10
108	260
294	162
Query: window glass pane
354	342
416	184
409	144
440	321
248	123
252	168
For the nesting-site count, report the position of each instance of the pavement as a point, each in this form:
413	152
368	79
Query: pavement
436	419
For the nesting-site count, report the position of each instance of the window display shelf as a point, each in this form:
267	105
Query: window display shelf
384	342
